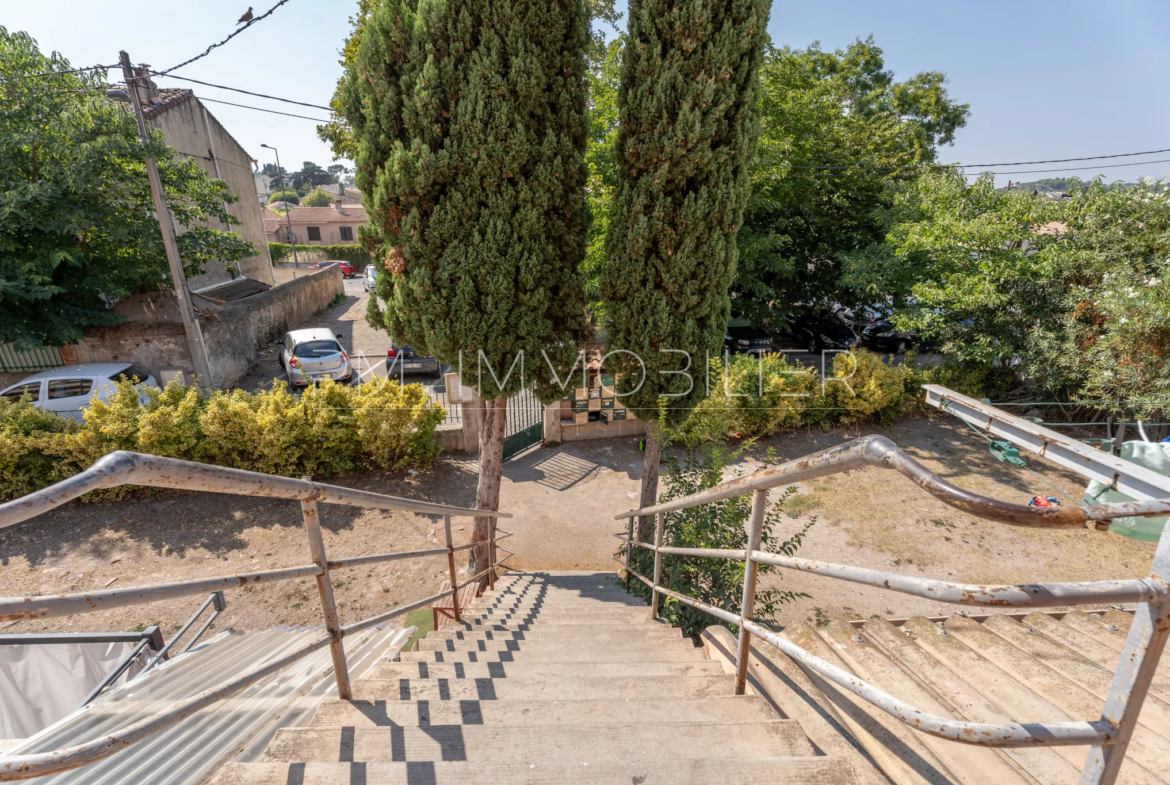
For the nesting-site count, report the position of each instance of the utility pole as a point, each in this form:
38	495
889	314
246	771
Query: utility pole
167	227
291	237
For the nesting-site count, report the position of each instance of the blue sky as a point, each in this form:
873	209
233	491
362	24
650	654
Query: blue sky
1044	79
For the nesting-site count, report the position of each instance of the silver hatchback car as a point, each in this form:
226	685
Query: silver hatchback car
311	356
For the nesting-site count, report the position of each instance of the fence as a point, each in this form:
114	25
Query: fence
1108	736
13	359
127	468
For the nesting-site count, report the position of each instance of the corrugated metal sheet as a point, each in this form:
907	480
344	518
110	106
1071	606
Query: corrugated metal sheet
29	359
191	750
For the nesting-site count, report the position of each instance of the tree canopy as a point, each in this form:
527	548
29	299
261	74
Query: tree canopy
836	129
1073	292
318	198
77	225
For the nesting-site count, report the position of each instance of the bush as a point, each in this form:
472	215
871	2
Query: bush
329	431
354	254
867	387
292	197
717	582
318	198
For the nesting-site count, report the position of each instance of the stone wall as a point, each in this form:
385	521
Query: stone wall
233	335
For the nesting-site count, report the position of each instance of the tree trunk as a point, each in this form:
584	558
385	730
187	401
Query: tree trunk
491	465
650	466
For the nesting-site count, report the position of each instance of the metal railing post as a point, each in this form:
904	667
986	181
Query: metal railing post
659	524
328	606
748	604
492	557
451	566
1131	682
629	549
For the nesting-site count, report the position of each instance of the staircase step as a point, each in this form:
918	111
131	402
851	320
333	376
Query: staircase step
531	668
479	622
489	744
677	653
545	688
540	643
646	771
371	714
600	632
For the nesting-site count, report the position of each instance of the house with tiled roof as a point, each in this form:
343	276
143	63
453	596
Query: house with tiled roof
195	133
335	225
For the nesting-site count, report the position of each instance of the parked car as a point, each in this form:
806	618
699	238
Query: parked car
347	269
882	336
861	316
817	330
68	390
311	356
401	360
369	277
744	340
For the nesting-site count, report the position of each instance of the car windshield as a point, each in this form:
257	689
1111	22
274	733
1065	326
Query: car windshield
310	349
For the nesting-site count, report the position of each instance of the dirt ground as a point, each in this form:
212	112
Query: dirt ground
564	500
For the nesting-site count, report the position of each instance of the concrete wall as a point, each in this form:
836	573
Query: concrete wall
235	333
232	336
194	132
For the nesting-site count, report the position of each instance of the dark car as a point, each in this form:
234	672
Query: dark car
742	340
347	269
401	360
882	336
817	330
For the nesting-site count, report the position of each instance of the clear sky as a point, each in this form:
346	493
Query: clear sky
1045	79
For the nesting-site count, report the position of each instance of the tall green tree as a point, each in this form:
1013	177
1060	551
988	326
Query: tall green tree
77	226
688	123
836	129
470	130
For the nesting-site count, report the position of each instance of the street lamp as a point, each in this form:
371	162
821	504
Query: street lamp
280	173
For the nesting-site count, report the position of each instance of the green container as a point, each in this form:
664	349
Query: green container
619	414
607	403
580	406
607	379
598	417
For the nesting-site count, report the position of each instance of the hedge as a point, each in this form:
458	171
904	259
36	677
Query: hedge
329	430
354	254
755	396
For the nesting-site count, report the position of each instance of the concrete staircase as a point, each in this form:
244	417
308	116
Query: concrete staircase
552	678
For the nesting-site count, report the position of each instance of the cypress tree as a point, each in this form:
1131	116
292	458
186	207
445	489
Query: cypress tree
470	125
688	128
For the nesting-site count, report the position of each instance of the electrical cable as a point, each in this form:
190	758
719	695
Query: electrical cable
207	51
270	111
245	92
1073	168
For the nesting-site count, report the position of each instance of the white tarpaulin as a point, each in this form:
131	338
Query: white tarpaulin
41	683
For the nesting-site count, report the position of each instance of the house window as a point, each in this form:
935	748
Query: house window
314	233
347	233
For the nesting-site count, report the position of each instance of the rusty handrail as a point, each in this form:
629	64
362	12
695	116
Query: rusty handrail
127	468
881	452
133	468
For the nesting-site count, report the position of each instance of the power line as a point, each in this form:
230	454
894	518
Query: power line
245	92
207	51
270	111
1073	169
984	166
22	77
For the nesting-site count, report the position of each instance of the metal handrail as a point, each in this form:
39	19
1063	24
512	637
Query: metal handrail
133	468
124	468
881	452
1108	736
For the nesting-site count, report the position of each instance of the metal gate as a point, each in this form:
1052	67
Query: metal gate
523	424
12	359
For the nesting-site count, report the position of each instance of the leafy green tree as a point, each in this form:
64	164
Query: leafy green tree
1073	293
470	127
318	198
77	226
292	197
310	176
688	109
604	83
836	129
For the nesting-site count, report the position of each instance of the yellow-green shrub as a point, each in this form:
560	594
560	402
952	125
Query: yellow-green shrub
867	387
329	430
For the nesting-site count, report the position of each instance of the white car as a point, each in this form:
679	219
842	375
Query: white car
69	389
369	277
311	356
